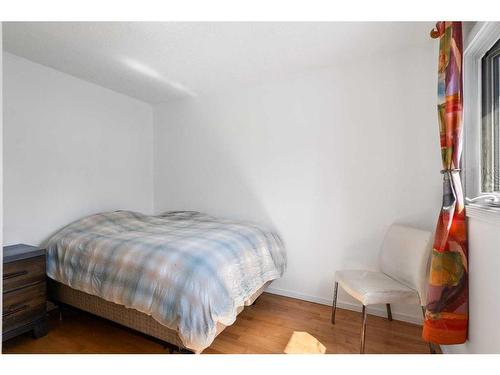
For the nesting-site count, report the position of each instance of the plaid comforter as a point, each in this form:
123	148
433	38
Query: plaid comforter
189	271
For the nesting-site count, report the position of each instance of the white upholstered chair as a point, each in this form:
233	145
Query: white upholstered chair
403	263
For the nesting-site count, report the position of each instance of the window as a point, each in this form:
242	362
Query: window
481	157
490	127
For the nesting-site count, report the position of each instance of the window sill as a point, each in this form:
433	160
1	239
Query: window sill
484	213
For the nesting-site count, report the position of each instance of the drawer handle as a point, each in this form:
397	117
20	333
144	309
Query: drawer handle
15	309
15	274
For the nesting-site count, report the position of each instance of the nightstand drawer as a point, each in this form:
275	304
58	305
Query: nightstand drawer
22	305
23	272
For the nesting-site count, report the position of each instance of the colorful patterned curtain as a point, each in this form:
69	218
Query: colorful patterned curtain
446	311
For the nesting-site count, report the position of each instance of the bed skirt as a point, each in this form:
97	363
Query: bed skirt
120	314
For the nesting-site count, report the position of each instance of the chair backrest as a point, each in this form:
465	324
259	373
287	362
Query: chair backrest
405	257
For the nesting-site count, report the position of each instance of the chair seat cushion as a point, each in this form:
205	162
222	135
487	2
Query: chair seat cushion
370	287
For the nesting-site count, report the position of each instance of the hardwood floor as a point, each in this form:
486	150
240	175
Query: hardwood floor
274	324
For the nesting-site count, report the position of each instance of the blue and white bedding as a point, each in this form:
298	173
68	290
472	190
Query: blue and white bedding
189	271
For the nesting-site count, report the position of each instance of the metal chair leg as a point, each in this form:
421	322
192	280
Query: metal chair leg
432	350
389	312
363	331
334	304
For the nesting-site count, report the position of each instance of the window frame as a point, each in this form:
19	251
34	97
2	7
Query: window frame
490	146
481	38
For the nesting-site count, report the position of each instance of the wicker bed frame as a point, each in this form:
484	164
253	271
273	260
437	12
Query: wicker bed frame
131	318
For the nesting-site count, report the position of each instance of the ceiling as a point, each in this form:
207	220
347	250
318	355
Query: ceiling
160	61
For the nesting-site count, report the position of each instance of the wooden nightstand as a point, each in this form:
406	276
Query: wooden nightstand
24	291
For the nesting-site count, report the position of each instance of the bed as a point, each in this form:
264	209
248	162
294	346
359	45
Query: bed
181	277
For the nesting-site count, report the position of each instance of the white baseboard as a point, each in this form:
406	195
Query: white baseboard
373	310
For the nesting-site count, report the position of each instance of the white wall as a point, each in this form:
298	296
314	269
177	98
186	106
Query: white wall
329	158
71	148
484	304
